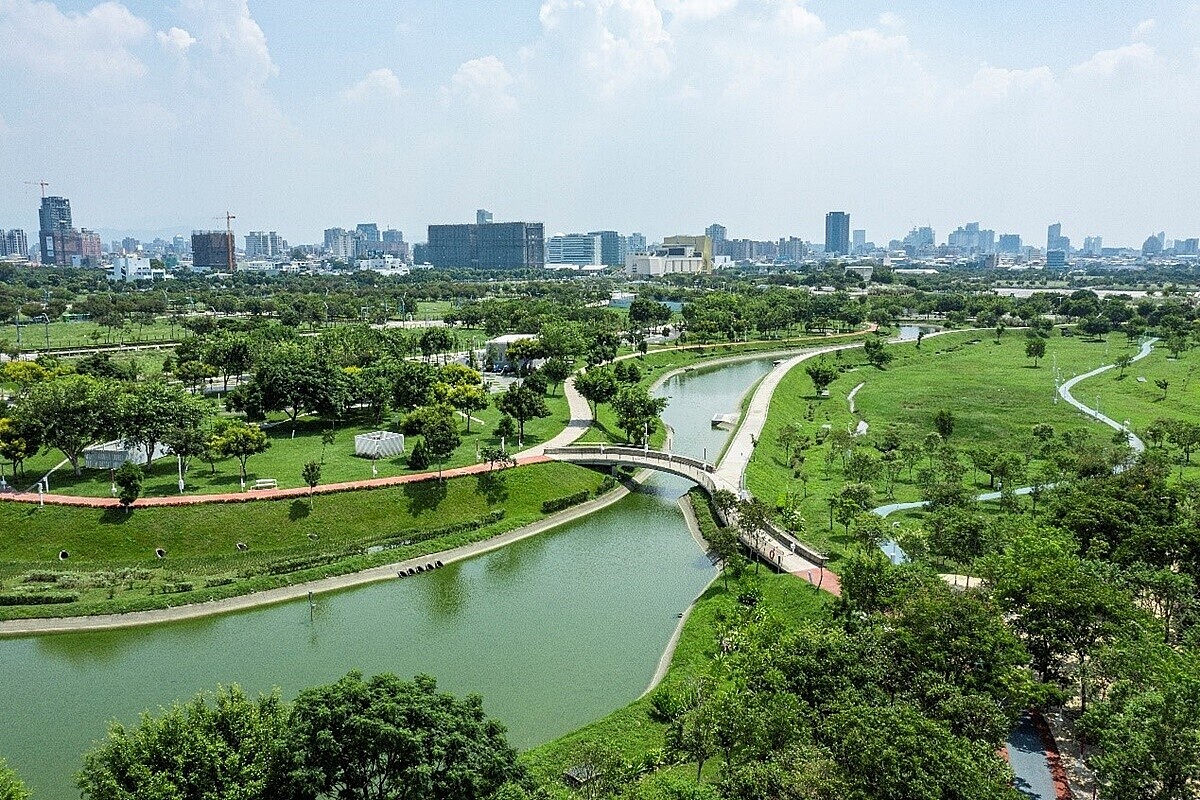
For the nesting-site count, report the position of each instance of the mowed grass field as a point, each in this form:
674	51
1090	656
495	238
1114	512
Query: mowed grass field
993	390
201	540
288	454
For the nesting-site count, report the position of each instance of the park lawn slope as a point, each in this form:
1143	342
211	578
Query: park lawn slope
113	566
992	389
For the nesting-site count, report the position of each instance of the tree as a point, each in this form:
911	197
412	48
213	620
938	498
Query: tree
468	398
435	341
128	478
943	422
219	747
1162	383
149	410
11	785
19	440
362	739
505	428
328	437
788	437
1035	348
597	385
556	370
637	412
441	439
73	412
494	455
822	373
240	440
522	404
311	475
645	313
878	355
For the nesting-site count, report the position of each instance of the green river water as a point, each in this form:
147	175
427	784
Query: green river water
554	631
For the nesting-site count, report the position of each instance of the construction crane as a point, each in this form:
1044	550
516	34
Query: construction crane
229	218
42	184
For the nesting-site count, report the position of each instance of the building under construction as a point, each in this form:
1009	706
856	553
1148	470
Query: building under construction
213	250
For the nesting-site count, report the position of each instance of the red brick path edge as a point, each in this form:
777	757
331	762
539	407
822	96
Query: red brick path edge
251	495
1058	773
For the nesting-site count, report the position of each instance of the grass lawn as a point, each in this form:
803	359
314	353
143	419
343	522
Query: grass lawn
288	454
993	390
113	565
630	731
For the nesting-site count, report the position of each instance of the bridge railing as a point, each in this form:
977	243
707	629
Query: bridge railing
634	454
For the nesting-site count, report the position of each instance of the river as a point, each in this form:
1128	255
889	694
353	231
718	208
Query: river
554	631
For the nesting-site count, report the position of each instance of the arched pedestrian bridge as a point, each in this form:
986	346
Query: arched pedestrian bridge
695	470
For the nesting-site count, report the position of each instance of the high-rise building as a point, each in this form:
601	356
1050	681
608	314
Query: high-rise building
89	246
971	239
1056	259
54	231
921	238
213	250
483	217
339	243
1093	245
497	245
860	240
265	244
1055	240
14	243
612	253
574	248
716	231
1009	243
635	243
394	244
837	233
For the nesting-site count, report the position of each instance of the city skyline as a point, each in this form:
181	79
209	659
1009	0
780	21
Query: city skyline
903	114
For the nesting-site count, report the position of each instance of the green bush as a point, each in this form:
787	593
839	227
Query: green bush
550	506
36	599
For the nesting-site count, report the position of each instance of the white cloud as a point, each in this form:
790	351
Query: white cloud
698	10
1108	62
176	39
83	47
380	82
483	82
793	17
890	19
613	43
997	83
1142	29
231	47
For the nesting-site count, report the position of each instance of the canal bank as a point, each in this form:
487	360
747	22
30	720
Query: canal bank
554	630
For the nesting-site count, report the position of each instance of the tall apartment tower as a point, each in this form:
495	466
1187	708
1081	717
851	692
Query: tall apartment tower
837	233
483	217
213	250
54	224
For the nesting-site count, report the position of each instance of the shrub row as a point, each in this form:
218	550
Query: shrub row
607	485
36	599
550	506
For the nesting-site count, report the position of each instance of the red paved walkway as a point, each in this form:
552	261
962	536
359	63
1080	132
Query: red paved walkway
262	494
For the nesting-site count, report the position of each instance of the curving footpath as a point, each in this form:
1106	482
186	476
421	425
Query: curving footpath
1064	391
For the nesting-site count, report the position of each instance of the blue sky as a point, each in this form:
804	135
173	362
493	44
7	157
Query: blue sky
653	115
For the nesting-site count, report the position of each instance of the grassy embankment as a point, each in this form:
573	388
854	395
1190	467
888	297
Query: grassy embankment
630	732
113	566
993	390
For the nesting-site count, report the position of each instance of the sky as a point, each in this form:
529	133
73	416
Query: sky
658	116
